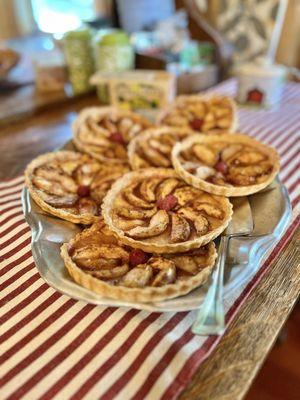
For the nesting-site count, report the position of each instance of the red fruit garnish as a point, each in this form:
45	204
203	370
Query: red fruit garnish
137	257
83	191
117	137
167	203
222	167
196	124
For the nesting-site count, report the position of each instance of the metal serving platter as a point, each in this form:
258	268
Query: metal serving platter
271	210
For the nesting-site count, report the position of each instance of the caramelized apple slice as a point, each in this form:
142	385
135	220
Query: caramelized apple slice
249	157
167	270
158	224
87	206
148	187
53	175
162	147
166	187
48	186
67	200
154	156
180	230
106	274
186	194
209	209
186	264
139	276
205	154
201	224
230	151
135	214
135	200
100	256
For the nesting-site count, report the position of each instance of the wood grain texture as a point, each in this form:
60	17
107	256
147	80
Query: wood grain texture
228	373
21	141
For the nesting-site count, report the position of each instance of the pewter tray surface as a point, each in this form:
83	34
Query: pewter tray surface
271	211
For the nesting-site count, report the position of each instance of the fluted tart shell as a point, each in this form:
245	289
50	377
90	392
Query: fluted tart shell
154	210
247	165
160	277
57	182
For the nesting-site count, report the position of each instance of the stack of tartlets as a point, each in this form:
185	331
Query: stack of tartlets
154	197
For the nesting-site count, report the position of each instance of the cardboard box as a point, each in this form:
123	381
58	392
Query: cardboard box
144	91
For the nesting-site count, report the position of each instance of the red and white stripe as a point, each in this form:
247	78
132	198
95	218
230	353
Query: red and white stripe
54	347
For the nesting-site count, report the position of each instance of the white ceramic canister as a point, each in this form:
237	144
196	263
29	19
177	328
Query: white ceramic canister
260	84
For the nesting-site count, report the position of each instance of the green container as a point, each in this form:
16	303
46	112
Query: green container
79	57
113	53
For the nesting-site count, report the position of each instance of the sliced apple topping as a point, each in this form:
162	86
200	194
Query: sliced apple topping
67	200
209	209
201	223
133	213
148	189
105	132
74	182
154	156
167	271
157	225
97	253
230	151
180	230
100	256
138	277
186	194
201	114
205	154
226	163
161	145
167	186
133	199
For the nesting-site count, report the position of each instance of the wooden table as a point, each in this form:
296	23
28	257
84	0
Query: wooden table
230	370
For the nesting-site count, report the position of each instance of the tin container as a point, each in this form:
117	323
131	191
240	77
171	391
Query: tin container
79	57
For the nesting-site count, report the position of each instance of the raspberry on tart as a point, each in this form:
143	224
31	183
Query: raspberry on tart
104	132
96	260
154	210
230	165
71	185
202	114
153	147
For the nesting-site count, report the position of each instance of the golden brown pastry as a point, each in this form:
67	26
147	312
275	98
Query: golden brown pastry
154	210
230	165
104	132
71	185
98	261
203	114
153	147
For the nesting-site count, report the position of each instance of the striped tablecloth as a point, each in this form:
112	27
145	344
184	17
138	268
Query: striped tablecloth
54	347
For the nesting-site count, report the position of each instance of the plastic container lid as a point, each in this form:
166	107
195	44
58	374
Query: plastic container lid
80	33
262	68
113	38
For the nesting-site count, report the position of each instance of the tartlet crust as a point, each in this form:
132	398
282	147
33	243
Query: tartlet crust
201	97
154	132
124	181
98	112
146	294
63	155
234	191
